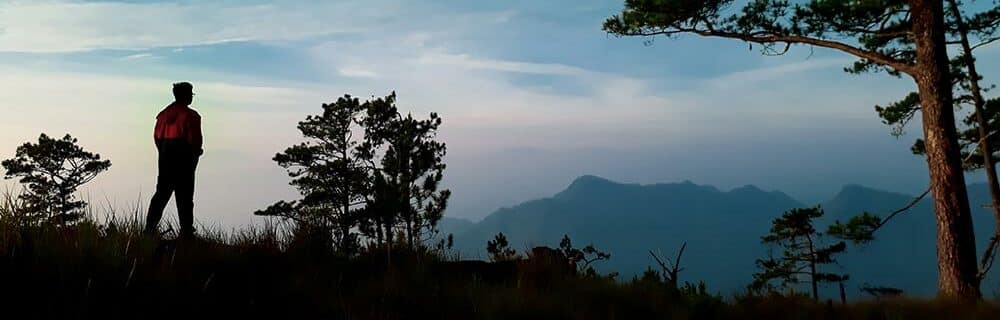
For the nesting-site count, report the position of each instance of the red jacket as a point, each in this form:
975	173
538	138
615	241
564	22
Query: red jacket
178	122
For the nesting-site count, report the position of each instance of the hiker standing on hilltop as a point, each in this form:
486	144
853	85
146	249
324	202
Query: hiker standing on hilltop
179	143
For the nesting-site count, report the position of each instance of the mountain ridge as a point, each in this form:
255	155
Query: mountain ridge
722	229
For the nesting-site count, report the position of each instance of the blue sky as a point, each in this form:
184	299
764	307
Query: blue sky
533	94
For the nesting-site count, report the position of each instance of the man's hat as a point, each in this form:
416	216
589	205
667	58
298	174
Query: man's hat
183	88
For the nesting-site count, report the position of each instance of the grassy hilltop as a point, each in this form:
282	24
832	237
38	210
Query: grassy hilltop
109	270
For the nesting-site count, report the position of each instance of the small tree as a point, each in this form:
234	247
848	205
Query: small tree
582	258
499	249
879	292
803	253
328	172
53	169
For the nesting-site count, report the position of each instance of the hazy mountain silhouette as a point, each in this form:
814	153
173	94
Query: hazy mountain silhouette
904	255
454	225
722	228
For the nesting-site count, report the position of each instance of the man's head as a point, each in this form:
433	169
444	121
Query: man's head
183	92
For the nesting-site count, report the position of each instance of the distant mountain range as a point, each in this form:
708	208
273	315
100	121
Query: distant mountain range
722	229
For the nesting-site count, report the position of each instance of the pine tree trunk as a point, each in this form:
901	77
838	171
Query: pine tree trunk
812	269
389	239
389	234
409	231
407	209
346	223
345	202
843	293
815	286
989	164
956	247
345	238
378	231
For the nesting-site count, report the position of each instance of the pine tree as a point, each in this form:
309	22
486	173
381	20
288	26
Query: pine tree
978	136
499	249
408	166
803	254
53	169
328	172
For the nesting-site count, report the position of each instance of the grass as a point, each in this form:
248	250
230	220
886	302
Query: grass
108	270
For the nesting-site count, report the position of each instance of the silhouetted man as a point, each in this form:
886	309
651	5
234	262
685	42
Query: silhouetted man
178	140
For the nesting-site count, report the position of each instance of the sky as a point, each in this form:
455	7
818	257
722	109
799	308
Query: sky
532	93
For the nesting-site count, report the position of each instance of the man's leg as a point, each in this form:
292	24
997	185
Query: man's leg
185	198
165	185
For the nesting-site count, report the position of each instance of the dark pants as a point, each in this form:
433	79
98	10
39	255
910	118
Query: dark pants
177	165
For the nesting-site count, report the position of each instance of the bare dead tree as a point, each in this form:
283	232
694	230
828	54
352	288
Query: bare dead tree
671	269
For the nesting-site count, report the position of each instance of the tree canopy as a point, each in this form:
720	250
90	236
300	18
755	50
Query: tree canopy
53	169
878	32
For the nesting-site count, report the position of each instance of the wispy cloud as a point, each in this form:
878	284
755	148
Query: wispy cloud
79	26
356	72
138	56
469	62
505	16
768	73
479	94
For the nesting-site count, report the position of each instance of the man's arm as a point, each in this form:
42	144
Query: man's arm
194	136
156	132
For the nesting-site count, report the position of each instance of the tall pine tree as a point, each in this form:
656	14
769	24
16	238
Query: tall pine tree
408	166
329	173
